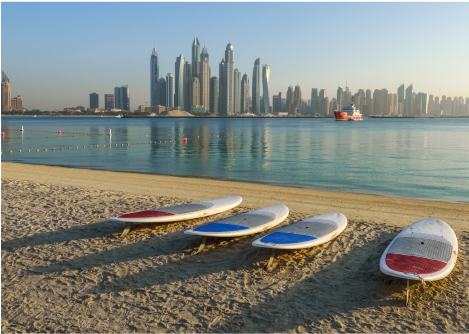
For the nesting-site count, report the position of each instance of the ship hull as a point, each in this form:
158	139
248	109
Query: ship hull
343	116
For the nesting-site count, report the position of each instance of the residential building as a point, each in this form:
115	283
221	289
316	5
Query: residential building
290	101
195	92
314	101
108	101
265	88
221	88
122	98
409	107
340	94
94	101
205	80
237	92
400	97
323	103
229	79
214	95
196	58
256	87
245	94
6	93
179	83
162	92
187	86
154	77
17	103
297	100
169	90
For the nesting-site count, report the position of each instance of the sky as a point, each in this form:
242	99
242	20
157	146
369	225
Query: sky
56	54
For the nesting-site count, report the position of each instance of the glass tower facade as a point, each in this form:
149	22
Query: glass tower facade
256	87
205	80
179	83
229	79
122	97
245	94
214	95
154	77
265	88
196	58
237	92
170	90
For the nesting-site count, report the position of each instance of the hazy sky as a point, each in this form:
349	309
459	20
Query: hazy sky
56	54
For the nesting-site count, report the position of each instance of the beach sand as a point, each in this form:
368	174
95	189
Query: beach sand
65	269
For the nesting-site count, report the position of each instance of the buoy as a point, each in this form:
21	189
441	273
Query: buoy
134	143
76	147
61	148
38	150
53	149
29	150
11	151
22	128
59	132
3	134
127	144
110	132
19	151
185	140
105	145
45	150
97	145
83	146
69	147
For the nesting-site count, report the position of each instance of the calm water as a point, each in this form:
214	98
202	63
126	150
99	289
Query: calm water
418	158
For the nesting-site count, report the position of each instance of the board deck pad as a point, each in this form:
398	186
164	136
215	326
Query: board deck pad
244	220
169	211
420	253
301	232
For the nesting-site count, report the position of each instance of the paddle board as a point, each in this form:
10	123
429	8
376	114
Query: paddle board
178	212
425	251
244	224
306	233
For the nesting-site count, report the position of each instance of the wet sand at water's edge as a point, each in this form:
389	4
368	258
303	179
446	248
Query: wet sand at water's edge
65	269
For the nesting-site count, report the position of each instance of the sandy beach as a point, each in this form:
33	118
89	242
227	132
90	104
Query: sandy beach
65	269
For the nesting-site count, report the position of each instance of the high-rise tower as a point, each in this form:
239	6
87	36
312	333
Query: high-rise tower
340	94
122	97
245	94
179	83
94	101
196	58
314	101
154	77
265	88
221	88
170	90
229	79
290	100
409	106
6	93
237	92
187	86
256	87
205	80
214	95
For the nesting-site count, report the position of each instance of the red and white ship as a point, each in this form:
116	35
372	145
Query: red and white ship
348	113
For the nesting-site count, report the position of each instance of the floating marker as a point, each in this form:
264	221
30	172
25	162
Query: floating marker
185	140
45	150
59	132
110	132
19	151
22	128
38	150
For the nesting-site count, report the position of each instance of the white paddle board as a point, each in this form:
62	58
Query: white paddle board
306	233
426	250
180	212
243	224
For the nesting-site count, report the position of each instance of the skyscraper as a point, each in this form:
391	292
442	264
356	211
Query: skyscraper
256	87
170	90
290	101
237	92
340	93
154	77
6	93
195	92
297	100
196	58
214	95
179	83
421	104
314	101
17	103
122	97
108	101
265	88
187	86
162	92
409	106
229	79
205	80
323	103
400	96
94	101
245	94
221	88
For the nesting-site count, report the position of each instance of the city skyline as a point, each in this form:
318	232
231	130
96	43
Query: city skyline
46	82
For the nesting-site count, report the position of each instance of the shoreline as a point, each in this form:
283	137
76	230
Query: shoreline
253	183
365	207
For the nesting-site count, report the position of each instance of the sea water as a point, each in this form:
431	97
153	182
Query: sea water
416	158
